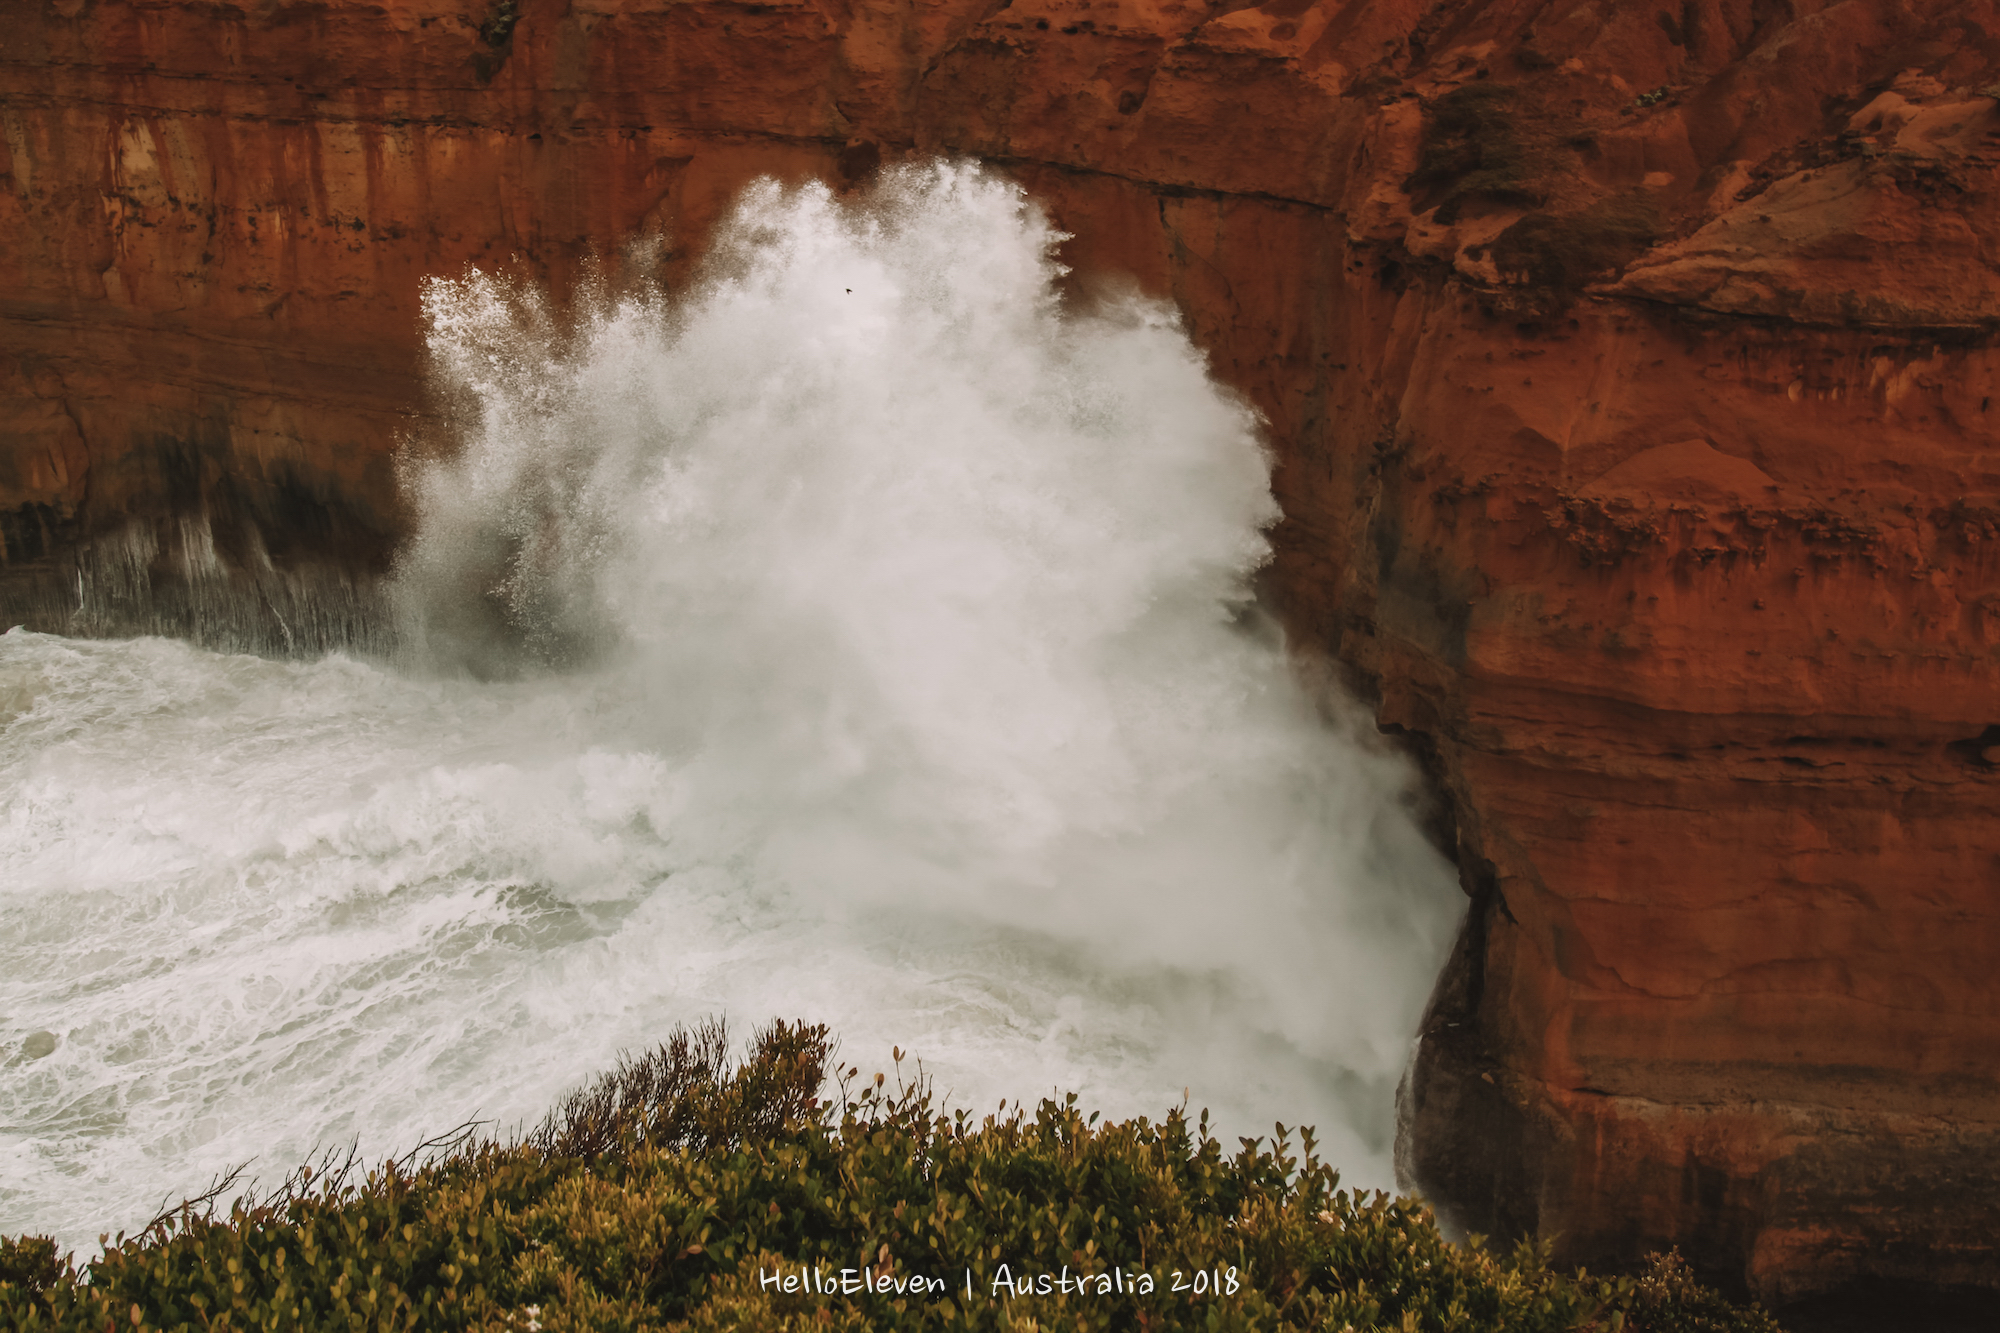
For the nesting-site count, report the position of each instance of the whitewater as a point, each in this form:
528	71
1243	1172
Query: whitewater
861	634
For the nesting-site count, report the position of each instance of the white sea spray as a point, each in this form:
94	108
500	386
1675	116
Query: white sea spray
862	635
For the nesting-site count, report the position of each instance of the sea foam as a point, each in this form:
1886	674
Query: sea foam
862	634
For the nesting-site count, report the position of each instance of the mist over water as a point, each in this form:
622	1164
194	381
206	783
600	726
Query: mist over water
861	635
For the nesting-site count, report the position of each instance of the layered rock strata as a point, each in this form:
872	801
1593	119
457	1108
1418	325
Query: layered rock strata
1631	370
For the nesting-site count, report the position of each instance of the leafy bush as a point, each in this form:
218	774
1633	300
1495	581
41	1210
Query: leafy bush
1473	148
683	1096
678	1193
29	1264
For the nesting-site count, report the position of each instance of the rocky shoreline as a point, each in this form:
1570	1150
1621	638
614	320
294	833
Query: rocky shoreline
1631	378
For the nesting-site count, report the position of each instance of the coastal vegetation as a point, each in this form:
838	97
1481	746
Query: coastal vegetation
689	1190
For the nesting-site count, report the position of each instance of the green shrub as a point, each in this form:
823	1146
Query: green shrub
683	1095
679	1193
29	1264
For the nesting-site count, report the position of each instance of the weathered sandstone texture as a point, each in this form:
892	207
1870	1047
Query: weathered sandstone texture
1631	367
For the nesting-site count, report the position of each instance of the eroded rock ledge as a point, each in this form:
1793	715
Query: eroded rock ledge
1632	371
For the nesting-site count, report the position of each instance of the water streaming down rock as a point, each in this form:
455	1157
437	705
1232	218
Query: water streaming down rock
862	635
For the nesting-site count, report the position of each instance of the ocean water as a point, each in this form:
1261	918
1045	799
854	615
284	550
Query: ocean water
861	635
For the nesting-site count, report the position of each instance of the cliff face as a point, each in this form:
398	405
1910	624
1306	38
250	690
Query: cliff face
1632	371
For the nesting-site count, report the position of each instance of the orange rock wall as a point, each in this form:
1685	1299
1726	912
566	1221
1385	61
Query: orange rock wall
1632	372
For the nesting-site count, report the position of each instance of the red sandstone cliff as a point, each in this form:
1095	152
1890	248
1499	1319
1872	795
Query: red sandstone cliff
1632	370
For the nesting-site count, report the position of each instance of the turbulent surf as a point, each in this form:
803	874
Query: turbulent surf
862	633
